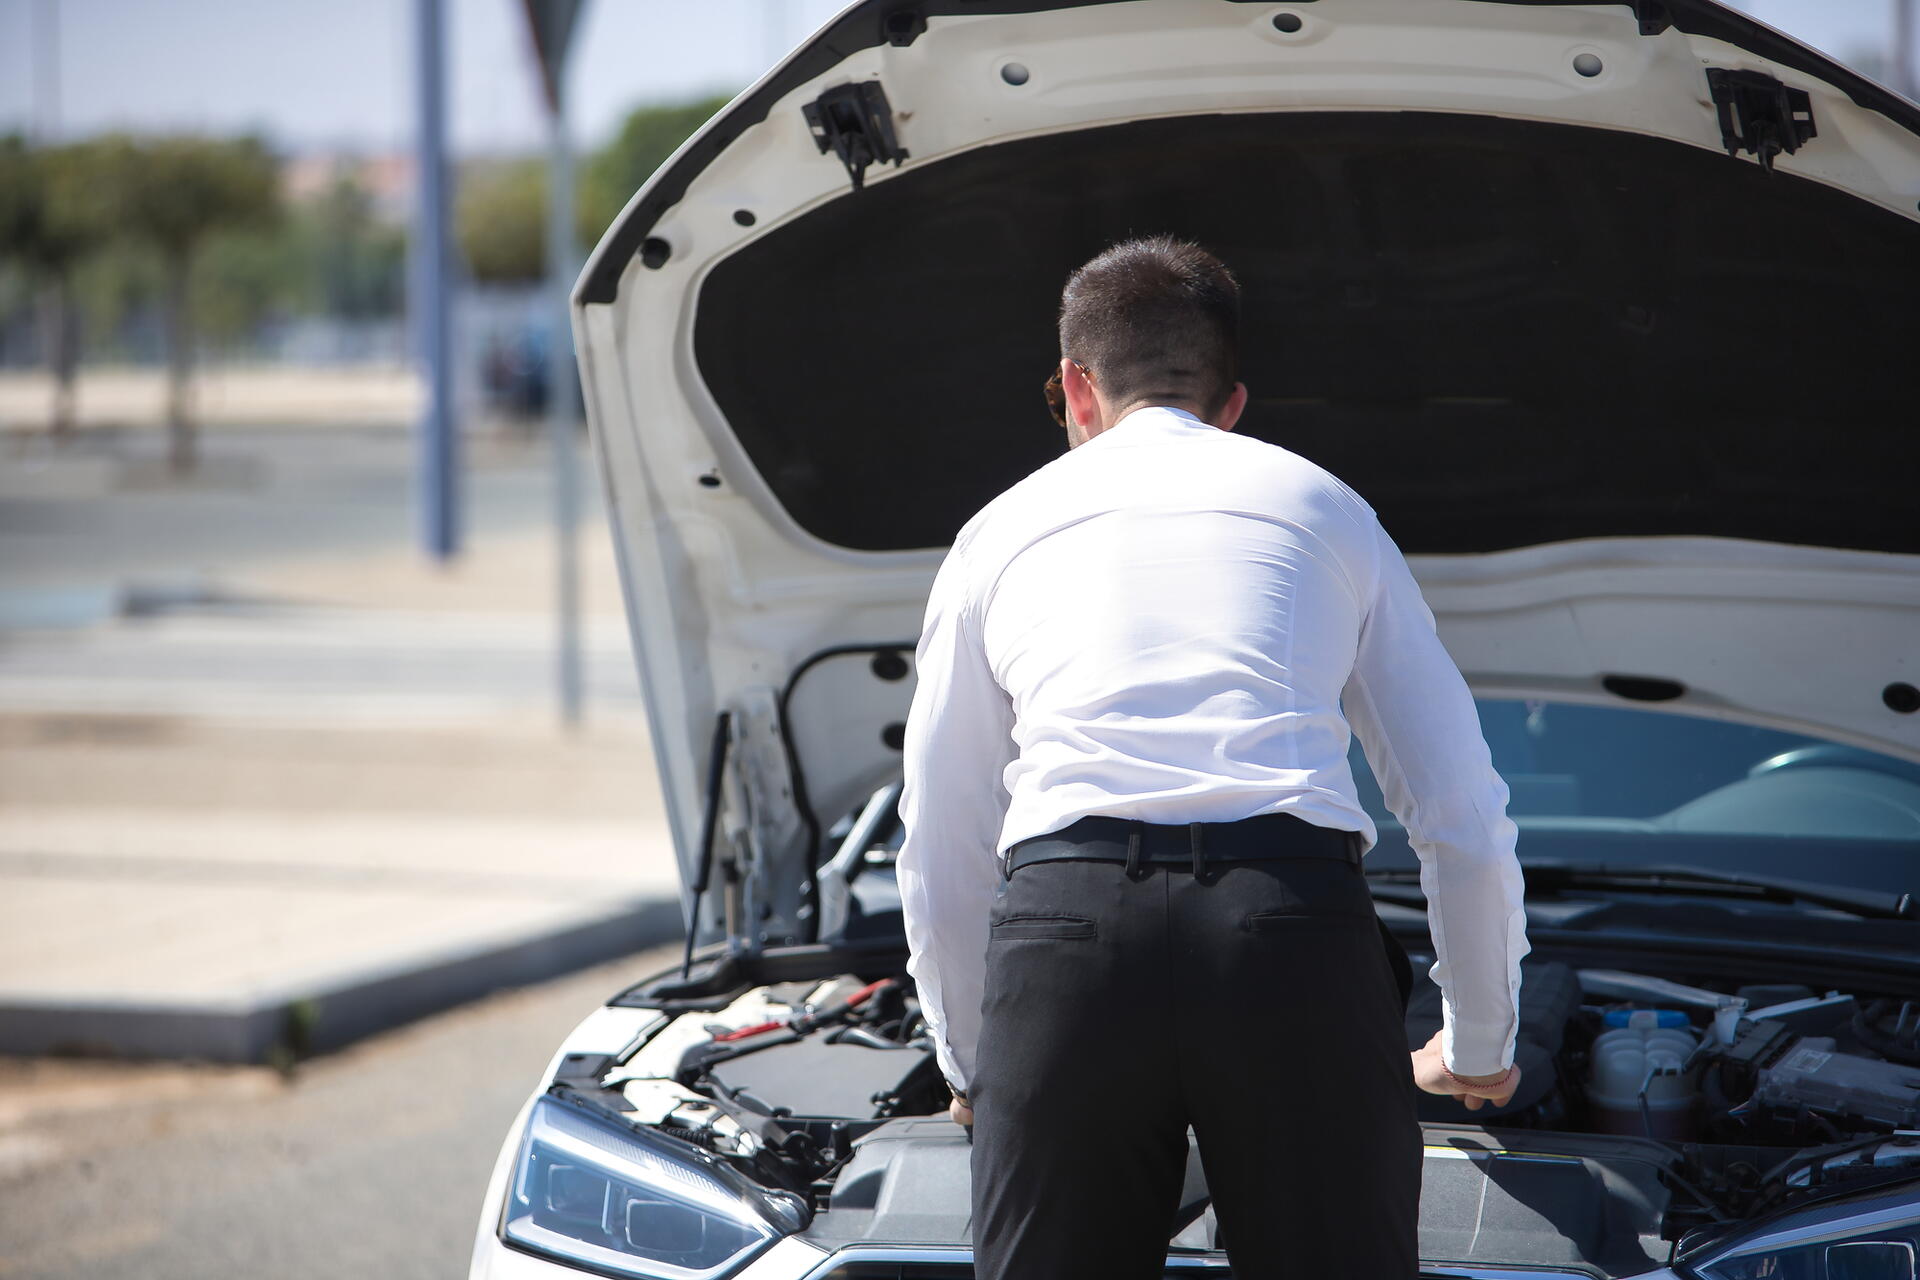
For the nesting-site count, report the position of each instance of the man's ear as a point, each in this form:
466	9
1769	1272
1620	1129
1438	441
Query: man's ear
1082	402
1236	404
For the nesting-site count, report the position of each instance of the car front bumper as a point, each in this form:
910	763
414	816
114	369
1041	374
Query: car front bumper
795	1259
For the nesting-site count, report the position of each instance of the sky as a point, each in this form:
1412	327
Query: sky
325	74
339	73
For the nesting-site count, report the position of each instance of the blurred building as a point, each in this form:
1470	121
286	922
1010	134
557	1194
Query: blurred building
386	177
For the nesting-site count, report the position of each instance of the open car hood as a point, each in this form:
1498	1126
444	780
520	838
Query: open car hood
1608	308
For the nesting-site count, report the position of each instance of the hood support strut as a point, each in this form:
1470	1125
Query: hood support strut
709	825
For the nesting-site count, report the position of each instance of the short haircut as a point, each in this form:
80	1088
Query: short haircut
1155	319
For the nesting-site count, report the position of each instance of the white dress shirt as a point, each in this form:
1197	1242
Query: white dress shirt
1167	624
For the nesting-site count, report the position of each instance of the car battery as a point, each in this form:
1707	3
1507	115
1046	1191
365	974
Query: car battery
1812	1075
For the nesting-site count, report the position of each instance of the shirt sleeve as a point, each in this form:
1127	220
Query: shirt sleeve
959	743
1416	721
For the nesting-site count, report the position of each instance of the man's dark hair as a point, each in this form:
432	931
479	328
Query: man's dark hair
1155	319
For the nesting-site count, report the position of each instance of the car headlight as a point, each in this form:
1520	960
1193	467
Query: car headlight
592	1192
1872	1238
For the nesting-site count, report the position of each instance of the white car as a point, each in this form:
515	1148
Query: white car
1610	310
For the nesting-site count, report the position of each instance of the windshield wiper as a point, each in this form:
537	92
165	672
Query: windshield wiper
1550	876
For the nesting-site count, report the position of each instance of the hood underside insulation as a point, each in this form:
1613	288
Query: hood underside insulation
1501	332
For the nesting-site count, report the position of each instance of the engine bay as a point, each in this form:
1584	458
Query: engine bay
1649	1108
1681	1073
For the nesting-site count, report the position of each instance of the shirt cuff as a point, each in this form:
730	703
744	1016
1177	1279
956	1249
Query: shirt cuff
1466	1053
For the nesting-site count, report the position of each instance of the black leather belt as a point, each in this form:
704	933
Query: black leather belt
1194	844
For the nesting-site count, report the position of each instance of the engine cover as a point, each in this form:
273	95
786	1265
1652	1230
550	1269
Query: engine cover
821	1077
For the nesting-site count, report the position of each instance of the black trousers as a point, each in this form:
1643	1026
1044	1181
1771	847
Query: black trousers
1254	1003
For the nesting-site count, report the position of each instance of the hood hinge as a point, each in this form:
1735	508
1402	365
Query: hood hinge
855	122
1759	115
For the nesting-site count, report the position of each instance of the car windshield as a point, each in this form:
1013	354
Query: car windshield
1627	787
1633	786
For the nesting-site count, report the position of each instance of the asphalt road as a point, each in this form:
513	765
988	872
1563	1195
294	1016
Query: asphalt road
282	578
371	1162
106	510
309	665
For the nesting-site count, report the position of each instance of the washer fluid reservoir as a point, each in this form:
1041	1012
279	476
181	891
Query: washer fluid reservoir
1640	1084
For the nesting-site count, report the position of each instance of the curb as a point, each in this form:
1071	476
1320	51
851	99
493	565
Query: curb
282	1026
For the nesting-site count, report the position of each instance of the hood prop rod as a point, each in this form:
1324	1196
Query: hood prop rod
709	828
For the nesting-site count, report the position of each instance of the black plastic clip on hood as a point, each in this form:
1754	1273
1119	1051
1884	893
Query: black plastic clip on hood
855	122
1759	115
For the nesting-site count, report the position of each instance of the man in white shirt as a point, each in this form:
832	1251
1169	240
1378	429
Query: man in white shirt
1131	869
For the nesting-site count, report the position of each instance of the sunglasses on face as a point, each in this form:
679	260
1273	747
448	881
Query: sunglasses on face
1057	394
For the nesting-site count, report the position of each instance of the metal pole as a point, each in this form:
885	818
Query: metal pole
1903	75
46	72
562	413
438	445
57	314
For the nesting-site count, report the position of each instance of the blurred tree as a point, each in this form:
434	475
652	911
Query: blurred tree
52	218
357	263
22	214
501	216
175	193
21	201
244	277
114	291
499	219
331	255
648	136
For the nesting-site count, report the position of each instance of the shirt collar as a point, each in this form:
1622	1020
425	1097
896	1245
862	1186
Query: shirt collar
1152	418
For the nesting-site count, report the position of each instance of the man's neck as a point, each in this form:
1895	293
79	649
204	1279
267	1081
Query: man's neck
1182	406
1079	435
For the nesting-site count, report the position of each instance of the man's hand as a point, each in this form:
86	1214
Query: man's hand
960	1111
1431	1074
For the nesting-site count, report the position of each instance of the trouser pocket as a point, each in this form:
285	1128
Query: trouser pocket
1302	921
1034	928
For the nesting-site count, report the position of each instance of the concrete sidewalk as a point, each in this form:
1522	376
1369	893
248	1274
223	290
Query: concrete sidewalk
324	790
240	892
331	396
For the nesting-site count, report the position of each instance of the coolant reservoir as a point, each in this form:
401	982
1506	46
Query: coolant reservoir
1643	1058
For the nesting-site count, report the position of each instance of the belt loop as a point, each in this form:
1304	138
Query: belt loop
1193	845
1006	864
1133	851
